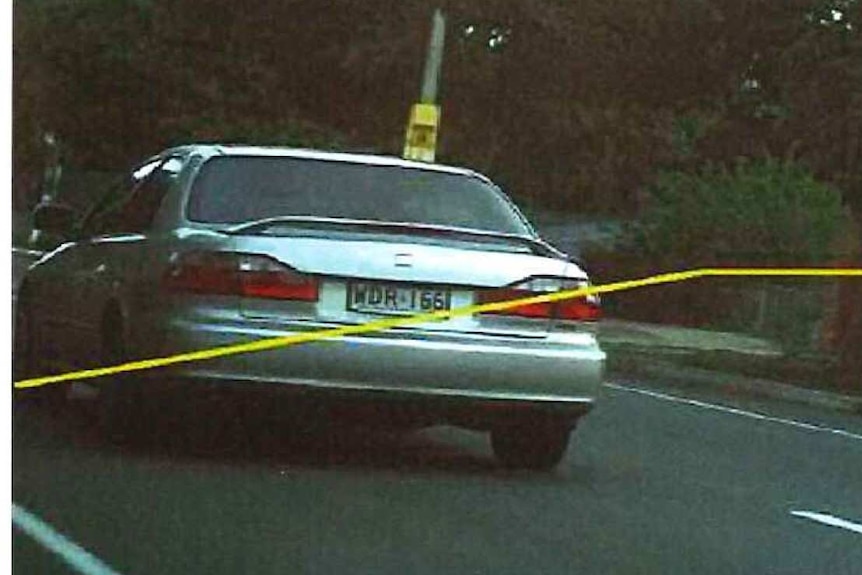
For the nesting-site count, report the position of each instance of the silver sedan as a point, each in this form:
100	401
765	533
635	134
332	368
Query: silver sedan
207	245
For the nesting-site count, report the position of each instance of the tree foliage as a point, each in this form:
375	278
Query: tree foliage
573	105
756	213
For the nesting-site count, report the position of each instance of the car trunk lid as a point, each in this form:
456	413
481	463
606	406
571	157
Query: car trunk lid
366	278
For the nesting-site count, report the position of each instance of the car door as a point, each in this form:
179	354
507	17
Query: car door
101	266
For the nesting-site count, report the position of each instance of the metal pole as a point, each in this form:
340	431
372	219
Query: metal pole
434	59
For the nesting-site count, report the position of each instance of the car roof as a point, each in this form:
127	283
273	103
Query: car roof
212	150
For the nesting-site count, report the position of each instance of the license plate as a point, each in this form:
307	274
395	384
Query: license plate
396	299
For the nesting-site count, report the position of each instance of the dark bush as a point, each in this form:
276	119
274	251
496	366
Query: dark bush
759	213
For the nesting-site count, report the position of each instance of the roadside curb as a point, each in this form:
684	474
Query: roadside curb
660	368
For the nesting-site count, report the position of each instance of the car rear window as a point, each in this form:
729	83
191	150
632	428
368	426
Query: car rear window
237	189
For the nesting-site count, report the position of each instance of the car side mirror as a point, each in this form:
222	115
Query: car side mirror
54	218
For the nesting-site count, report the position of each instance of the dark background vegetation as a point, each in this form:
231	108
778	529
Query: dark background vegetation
726	132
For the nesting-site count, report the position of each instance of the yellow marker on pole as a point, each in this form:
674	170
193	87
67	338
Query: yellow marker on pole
420	142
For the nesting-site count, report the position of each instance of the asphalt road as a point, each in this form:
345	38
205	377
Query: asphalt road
651	485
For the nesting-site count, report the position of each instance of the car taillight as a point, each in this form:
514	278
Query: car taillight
230	273
585	308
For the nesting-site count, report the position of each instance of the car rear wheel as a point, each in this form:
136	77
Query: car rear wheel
535	445
121	416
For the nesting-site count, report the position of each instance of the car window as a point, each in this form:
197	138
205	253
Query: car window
243	188
133	206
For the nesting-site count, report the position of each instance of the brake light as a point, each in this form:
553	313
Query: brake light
230	273
586	308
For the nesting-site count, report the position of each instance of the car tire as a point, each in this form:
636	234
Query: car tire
120	417
536	445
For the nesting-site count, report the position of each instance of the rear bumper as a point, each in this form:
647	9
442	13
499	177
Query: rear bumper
377	406
562	372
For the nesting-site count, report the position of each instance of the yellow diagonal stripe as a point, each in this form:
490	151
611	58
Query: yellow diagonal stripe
388	323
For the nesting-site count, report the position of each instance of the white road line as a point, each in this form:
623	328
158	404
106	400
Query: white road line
829	520
734	411
70	552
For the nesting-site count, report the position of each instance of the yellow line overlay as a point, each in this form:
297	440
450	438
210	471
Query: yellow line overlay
388	323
